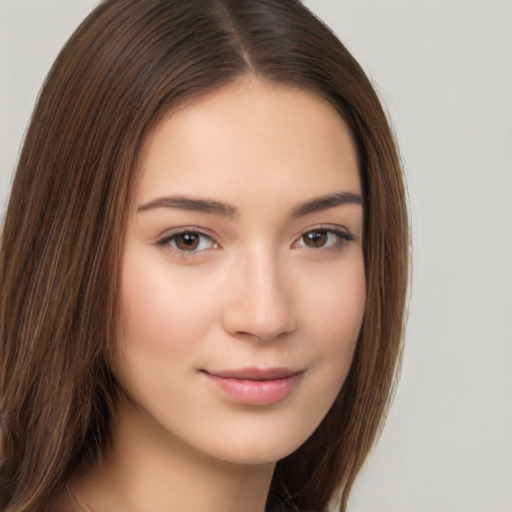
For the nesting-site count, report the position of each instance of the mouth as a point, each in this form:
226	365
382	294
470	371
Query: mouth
255	386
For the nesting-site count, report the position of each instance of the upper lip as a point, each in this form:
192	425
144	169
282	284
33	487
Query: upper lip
254	373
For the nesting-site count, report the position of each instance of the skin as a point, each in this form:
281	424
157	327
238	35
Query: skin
266	285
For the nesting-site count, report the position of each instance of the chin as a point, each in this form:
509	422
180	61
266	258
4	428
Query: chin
262	440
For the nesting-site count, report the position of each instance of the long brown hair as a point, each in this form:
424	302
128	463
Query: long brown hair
129	64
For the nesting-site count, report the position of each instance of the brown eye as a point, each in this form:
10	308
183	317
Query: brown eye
324	239
315	239
188	241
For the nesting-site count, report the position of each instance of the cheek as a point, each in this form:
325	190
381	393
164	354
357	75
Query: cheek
336	310
164	318
161	311
335	316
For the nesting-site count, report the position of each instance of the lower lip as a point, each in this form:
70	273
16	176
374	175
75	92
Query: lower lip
257	392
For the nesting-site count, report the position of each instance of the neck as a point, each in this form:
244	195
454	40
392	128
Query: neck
149	469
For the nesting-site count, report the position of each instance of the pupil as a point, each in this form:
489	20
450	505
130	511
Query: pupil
188	241
316	238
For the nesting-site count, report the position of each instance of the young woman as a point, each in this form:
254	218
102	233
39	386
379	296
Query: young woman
203	266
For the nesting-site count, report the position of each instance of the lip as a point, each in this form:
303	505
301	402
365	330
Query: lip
256	386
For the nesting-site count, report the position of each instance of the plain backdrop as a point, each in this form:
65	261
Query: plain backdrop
444	72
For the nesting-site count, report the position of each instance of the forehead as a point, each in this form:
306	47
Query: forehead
250	138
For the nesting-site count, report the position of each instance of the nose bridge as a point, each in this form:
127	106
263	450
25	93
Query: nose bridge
260	299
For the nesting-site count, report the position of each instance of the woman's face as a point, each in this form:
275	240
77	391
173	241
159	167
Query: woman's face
243	285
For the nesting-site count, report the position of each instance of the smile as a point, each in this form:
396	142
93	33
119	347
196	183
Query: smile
254	386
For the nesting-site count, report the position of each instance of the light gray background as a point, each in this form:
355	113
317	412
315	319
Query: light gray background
443	69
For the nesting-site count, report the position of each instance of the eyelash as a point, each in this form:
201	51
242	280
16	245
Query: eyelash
167	242
342	238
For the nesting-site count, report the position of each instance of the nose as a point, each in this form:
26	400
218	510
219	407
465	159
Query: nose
259	301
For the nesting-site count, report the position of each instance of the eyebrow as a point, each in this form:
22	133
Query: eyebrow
192	204
211	206
325	202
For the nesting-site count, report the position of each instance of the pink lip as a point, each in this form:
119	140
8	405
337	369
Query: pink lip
256	386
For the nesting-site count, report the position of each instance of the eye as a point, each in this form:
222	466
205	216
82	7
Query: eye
324	238
188	241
